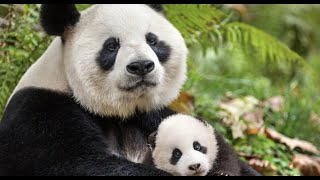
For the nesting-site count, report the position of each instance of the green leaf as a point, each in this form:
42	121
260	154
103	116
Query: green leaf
252	39
194	20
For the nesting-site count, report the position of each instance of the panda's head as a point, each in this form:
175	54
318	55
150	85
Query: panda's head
119	58
184	146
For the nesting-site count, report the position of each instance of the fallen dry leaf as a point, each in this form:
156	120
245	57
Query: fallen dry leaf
255	121
315	118
291	143
237	129
240	115
235	107
262	166
254	117
184	103
276	103
238	107
308	166
253	131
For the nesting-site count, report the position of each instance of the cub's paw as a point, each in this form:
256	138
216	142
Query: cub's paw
221	173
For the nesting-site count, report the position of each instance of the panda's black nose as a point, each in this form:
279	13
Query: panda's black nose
194	167
141	67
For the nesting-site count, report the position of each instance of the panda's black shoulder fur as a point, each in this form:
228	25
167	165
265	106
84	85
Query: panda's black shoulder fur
47	133
55	18
156	7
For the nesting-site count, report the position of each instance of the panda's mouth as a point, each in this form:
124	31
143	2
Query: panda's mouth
141	85
198	173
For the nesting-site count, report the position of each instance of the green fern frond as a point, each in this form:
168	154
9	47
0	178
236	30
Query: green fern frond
194	20
206	25
254	40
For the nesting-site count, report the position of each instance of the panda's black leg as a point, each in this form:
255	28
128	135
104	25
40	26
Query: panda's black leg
221	174
102	166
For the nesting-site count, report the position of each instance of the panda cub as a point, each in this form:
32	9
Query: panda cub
186	146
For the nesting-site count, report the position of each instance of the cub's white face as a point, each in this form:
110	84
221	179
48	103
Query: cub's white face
123	58
185	146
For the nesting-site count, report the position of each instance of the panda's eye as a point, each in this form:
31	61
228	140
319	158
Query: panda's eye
177	153
153	42
112	47
196	146
152	39
112	44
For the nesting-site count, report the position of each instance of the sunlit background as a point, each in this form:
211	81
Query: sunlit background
254	74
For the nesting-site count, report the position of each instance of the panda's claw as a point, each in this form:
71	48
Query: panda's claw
221	174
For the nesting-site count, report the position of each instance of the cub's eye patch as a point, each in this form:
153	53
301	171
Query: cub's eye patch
176	155
197	146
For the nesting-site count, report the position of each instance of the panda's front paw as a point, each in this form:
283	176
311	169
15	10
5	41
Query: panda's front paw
221	173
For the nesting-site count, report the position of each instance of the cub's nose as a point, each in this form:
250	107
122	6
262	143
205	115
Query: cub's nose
141	67
194	167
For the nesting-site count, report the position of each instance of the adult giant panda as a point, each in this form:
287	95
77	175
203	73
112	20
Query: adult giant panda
89	103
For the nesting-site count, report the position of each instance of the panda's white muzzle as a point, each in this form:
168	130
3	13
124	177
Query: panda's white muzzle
140	76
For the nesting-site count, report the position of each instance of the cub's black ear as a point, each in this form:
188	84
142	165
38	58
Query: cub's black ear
56	17
156	7
152	139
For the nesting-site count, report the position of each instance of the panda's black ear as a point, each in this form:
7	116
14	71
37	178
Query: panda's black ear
56	17
152	139
156	7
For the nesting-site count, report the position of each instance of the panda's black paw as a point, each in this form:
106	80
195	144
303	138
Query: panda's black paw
221	173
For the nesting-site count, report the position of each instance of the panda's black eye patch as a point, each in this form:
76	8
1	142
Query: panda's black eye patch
197	146
107	55
112	44
160	48
152	39
176	155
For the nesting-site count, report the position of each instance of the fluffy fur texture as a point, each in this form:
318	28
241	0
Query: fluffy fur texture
47	133
181	133
196	143
67	116
100	91
76	69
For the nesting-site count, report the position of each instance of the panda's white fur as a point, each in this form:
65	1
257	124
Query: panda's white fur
181	131
72	66
99	91
48	72
69	65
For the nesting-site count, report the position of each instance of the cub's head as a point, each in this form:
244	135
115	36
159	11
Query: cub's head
119	58
184	146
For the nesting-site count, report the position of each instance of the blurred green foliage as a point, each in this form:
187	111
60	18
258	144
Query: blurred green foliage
22	42
270	50
234	69
277	154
